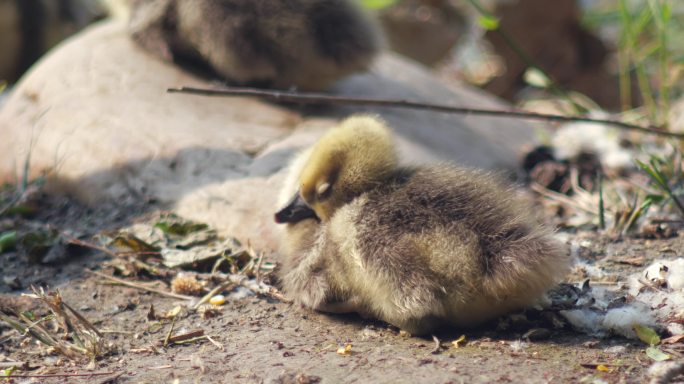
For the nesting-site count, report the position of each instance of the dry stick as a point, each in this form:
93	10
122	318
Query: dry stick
83	320
191	340
257	274
216	343
186	336
168	335
141	287
10	364
60	375
85	244
319	98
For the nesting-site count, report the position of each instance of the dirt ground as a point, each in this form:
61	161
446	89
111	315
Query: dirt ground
261	340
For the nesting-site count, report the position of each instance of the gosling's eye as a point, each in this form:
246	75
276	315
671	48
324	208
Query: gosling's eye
323	191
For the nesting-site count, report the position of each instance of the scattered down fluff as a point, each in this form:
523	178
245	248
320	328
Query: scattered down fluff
416	247
655	298
574	138
307	44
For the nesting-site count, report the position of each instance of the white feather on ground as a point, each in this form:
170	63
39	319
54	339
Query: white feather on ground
653	298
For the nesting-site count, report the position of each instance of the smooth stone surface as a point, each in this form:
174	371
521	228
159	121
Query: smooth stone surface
95	113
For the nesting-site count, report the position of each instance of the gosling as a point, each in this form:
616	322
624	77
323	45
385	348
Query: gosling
304	44
418	248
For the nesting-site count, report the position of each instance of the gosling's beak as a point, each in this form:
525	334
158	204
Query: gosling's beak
296	210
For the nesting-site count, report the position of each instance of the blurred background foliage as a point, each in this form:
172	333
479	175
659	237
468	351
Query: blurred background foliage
617	58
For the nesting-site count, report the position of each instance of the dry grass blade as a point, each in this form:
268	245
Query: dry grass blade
168	335
580	204
30	328
216	343
141	287
88	340
186	336
55	375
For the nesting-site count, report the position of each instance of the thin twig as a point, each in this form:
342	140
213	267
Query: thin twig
158	367
141	287
257	272
11	203
319	98
191	340
59	375
168	335
85	244
185	336
10	364
82	319
216	343
602	208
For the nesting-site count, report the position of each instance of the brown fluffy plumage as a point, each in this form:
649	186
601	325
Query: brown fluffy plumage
416	247
307	44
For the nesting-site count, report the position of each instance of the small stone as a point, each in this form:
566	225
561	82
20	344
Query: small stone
217	300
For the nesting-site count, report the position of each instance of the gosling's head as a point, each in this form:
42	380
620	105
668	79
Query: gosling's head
355	156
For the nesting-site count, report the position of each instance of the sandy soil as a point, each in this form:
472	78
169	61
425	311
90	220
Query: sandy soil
262	340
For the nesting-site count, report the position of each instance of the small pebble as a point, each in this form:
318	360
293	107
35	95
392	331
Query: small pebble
615	350
217	300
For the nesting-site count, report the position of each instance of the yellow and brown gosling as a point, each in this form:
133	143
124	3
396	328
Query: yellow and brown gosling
416	247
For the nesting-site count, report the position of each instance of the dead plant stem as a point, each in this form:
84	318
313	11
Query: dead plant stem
319	98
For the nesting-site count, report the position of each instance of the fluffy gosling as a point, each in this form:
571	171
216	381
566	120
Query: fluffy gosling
416	247
307	44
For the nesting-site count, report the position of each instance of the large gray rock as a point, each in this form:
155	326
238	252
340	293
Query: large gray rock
94	111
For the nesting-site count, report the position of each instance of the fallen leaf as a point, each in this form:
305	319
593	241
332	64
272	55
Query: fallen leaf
8	240
24	210
673	339
377	4
345	351
129	242
38	244
596	366
489	23
7	371
180	228
656	354
174	312
646	334
197	256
